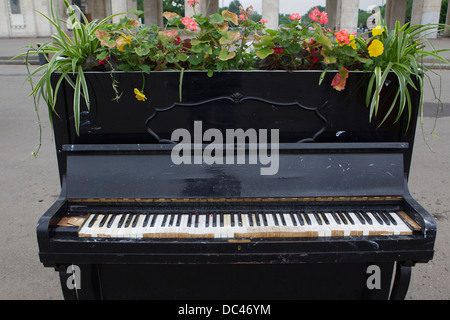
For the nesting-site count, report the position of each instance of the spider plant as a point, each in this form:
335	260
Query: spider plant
403	55
68	54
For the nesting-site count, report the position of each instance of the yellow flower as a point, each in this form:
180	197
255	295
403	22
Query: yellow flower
377	30
376	48
139	95
352	41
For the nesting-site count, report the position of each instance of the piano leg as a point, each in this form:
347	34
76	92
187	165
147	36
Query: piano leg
401	281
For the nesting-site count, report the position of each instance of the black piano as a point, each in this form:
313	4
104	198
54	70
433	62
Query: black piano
334	220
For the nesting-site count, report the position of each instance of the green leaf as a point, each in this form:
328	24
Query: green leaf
216	18
195	60
225	55
142	51
294	47
182	57
263	53
145	68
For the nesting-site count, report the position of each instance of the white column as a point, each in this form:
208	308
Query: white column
447	22
331	9
4	20
43	26
397	13
206	8
429	14
153	10
349	15
123	6
270	11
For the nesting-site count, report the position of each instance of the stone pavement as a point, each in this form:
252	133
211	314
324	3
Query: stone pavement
29	186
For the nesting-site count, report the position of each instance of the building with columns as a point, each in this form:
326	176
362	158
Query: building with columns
20	18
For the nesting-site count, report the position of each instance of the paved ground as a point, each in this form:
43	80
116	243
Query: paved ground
29	186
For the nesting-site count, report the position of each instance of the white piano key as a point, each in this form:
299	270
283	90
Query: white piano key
85	229
401	226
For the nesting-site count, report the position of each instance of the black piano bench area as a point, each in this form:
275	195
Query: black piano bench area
333	219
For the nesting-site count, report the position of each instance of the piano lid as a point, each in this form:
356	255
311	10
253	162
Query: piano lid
301	170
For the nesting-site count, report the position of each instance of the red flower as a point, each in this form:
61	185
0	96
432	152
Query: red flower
103	61
277	50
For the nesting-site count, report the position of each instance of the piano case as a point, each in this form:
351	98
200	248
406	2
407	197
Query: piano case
328	162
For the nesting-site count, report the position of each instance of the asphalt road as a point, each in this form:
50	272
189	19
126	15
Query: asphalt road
29	186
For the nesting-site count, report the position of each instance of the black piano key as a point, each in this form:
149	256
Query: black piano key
127	223
189	220
348	217
275	219
172	219
122	219
385	219
343	217
258	220
324	217
390	218
283	221
135	221
307	219
164	221
208	216
110	221
316	215
178	220
221	216
232	220
240	219
197	217
335	217
250	219
91	223
360	217
214	220
153	220
264	219
103	221
366	217
147	218
377	217
294	221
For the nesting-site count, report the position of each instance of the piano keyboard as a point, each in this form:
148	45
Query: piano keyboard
247	225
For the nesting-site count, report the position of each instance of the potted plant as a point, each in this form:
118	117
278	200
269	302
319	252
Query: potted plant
224	43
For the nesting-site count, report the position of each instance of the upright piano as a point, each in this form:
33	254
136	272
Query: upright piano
336	220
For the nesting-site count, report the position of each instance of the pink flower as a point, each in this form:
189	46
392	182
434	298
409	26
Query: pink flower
192	3
316	15
295	16
340	79
189	23
242	17
263	21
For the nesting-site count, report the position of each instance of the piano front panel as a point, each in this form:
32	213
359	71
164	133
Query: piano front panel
239	224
